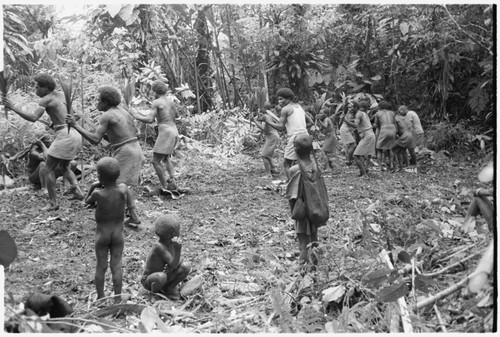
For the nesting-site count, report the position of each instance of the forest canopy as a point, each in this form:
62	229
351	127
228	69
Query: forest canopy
437	59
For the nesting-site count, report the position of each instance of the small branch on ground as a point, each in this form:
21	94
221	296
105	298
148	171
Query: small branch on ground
458	263
442	294
440	319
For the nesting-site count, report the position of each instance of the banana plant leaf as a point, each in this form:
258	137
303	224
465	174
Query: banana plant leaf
68	96
6	79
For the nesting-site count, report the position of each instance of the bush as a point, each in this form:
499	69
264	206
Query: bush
451	137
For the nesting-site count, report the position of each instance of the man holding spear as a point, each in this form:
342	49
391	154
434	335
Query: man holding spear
66	144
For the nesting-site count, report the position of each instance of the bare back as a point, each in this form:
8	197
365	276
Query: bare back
119	125
110	212
385	117
165	109
55	106
401	125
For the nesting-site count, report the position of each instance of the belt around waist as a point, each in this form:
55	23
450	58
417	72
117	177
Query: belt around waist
114	147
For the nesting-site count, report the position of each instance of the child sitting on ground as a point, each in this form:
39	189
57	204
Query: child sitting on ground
165	268
111	201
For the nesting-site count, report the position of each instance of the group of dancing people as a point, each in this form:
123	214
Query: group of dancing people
110	194
365	131
116	126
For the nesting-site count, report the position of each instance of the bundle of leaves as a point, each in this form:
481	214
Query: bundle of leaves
128	91
6	79
68	96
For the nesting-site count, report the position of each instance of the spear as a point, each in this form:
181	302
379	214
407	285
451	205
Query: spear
6	76
68	95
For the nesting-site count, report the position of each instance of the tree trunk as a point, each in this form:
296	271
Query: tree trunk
203	58
233	71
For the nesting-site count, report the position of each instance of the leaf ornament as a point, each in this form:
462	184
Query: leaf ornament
68	96
6	79
128	91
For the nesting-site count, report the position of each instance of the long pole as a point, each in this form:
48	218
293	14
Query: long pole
81	89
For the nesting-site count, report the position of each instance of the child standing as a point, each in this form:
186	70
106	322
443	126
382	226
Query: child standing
111	201
330	144
347	134
165	268
306	227
272	140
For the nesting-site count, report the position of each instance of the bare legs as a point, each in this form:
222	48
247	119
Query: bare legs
158	160
304	240
287	164
269	166
101	251
350	148
482	206
48	175
328	161
359	161
160	282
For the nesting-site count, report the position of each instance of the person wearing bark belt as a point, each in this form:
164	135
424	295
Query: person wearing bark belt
119	127
164	111
66	144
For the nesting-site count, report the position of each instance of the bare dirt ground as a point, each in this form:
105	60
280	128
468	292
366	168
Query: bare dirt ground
239	238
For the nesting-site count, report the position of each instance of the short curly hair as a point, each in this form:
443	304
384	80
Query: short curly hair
108	169
160	87
167	226
109	95
384	105
354	103
364	105
303	144
403	109
286	93
45	81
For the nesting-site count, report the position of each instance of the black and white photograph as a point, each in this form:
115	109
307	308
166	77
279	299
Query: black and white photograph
248	168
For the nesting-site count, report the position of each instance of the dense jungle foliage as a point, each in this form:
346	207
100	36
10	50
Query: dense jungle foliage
221	62
437	59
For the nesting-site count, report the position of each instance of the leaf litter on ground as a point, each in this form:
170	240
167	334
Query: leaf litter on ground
243	264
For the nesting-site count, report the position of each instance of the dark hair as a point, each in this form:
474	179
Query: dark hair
286	93
167	226
160	87
303	144
364	105
385	105
108	169
109	95
46	81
